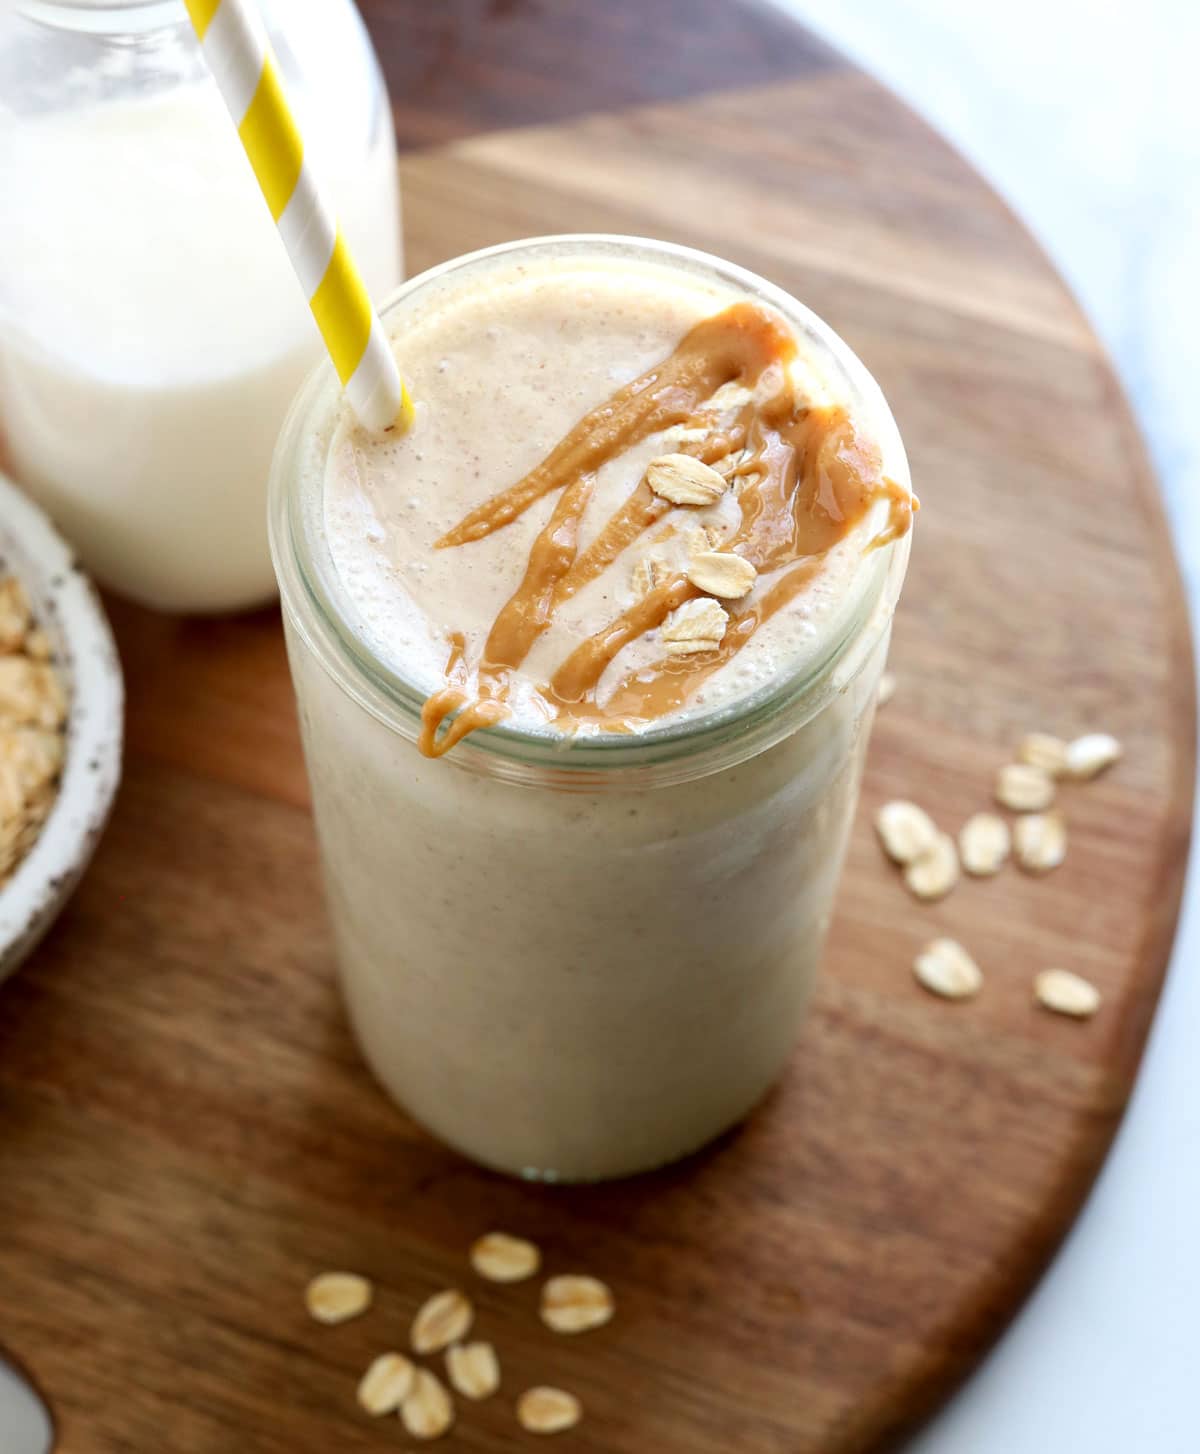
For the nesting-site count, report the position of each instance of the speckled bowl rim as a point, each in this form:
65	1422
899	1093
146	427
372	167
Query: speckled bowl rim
67	606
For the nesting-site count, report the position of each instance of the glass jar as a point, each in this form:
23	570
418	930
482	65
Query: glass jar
151	329
577	957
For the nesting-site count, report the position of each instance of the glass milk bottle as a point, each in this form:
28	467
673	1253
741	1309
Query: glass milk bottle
151	329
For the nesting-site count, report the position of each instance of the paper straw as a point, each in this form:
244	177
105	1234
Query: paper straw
244	67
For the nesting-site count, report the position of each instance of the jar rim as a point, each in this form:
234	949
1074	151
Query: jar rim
679	750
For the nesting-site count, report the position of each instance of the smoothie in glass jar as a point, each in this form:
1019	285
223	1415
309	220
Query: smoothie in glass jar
586	663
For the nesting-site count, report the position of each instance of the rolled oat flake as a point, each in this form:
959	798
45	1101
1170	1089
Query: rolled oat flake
545	1410
1066	993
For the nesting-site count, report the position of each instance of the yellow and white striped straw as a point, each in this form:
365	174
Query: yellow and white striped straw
244	67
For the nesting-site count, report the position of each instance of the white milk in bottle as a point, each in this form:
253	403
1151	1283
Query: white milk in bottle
152	331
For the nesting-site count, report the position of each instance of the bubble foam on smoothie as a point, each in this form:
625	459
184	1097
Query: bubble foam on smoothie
503	368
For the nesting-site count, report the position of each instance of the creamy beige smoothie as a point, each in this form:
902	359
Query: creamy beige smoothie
585	663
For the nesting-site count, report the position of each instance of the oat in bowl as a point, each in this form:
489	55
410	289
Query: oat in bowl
61	715
33	727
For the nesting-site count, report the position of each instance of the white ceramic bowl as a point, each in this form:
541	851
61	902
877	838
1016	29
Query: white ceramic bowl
67	607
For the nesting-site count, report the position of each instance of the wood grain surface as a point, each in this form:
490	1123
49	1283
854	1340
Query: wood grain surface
187	1133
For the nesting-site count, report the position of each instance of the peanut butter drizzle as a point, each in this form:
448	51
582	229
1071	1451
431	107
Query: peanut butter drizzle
575	681
472	713
736	344
530	609
643	509
812	476
457	671
484	712
639	698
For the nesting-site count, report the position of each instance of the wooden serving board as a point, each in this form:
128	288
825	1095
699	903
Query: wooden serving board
186	1130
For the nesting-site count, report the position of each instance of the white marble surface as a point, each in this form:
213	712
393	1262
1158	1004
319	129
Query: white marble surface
1085	114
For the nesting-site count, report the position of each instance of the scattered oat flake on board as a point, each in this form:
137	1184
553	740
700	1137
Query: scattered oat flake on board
983	844
722	573
1066	993
548	1410
935	872
503	1258
333	1297
386	1384
1040	841
945	968
1089	755
428	1410
473	1369
573	1303
905	831
1024	788
444	1318
886	689
1040	749
684	480
697	625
